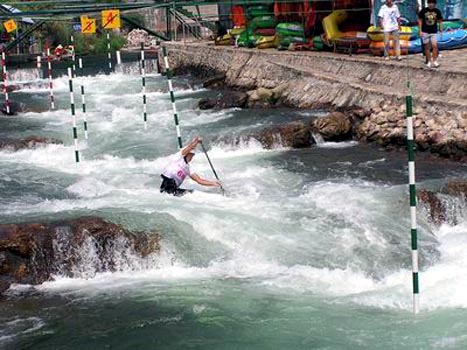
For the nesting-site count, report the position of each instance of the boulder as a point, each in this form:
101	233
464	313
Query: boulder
294	134
138	36
224	99
456	188
336	126
28	142
434	205
214	82
32	253
266	98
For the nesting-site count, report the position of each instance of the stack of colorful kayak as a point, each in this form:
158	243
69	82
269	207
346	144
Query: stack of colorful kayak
454	36
260	30
290	33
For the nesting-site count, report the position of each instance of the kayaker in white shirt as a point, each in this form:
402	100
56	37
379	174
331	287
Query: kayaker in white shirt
179	168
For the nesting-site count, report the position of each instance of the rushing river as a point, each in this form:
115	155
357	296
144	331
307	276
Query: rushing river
309	250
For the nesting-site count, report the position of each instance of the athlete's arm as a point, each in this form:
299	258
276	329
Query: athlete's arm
191	146
198	179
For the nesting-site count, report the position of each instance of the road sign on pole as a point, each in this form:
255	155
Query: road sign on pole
111	19
10	25
88	25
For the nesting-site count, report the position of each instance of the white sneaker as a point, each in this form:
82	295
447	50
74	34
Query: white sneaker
386	58
429	65
435	64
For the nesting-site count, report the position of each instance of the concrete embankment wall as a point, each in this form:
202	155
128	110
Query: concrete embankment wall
313	79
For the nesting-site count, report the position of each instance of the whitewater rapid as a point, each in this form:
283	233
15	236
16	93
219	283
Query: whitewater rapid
286	226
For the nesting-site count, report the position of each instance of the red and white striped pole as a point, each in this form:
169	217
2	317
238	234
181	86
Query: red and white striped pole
51	84
5	83
39	66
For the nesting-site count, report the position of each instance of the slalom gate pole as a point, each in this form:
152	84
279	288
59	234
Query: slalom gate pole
119	57
51	84
73	115
83	100
212	167
413	202
73	55
143	80
109	53
172	96
5	83
158	62
39	65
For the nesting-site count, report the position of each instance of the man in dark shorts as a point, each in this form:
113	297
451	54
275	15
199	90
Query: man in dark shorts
179	168
429	17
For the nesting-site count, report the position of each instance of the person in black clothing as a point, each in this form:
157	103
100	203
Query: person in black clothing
428	21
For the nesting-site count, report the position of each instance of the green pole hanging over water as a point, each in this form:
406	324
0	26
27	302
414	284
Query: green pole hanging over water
143	80
73	115
172	96
83	100
413	202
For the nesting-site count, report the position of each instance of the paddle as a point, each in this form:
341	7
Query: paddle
212	167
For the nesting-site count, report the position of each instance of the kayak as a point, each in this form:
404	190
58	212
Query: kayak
267	42
259	11
226	39
376	33
290	29
265	31
263	22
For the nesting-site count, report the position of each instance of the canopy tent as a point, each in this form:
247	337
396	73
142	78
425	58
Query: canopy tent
11	9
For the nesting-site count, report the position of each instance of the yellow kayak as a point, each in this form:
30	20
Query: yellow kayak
268	42
376	33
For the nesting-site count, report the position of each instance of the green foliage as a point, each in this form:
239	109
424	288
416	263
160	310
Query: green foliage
99	44
60	32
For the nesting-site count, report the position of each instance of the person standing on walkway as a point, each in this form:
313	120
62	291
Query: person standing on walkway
389	19
428	19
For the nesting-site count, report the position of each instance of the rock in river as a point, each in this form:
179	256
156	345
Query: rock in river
224	99
336	126
31	253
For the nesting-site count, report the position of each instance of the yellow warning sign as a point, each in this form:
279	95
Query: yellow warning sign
111	19
88	25
10	25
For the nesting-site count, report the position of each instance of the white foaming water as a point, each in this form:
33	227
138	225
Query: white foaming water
325	238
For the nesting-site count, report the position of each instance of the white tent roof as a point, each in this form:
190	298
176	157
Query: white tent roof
15	10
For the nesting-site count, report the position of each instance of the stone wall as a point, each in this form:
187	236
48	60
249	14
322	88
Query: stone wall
316	79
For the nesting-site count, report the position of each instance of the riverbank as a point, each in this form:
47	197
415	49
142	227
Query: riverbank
319	79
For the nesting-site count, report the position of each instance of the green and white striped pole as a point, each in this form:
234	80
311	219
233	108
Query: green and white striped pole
413	202
73	115
143	80
83	100
109	53
172	96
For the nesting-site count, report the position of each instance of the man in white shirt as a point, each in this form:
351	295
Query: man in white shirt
389	19
179	168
